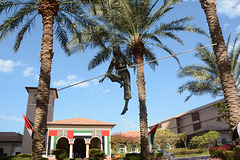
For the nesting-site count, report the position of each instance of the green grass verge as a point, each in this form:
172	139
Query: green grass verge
192	155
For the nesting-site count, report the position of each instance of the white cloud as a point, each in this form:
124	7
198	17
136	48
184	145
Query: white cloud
8	65
95	81
238	29
230	8
226	25
28	72
127	122
71	79
107	90
11	118
168	91
36	77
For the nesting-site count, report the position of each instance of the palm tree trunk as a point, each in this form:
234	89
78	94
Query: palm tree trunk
226	75
143	109
48	10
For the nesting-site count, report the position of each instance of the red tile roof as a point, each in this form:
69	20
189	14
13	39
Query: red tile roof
131	133
80	122
10	137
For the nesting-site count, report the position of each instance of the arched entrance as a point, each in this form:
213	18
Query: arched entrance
79	148
63	143
95	143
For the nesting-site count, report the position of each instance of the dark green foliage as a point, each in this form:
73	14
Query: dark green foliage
59	153
24	155
205	76
136	156
63	156
96	154
222	111
132	156
23	15
19	157
184	151
5	157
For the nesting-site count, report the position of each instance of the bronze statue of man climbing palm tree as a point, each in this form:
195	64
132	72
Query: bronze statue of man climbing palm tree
122	76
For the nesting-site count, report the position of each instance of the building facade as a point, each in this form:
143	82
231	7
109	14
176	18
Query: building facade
30	114
77	135
10	143
197	122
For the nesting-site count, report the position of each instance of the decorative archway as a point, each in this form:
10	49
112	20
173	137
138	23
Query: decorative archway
95	143
63	143
17	150
122	149
79	148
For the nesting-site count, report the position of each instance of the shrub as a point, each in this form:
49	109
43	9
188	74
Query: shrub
58	152
132	156
96	154
4	157
225	152
63	156
229	155
23	155
136	156
183	151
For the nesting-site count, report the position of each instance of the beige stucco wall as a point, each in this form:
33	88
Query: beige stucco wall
10	147
207	118
30	114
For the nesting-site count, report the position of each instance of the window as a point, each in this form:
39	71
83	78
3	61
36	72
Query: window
195	116
34	98
122	149
134	149
223	141
179	130
196	126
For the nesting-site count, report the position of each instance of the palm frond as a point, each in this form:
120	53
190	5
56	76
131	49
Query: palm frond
159	13
101	57
61	34
199	88
10	5
14	21
234	54
22	32
149	56
168	50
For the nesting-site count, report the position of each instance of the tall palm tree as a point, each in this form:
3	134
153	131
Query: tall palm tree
206	76
226	76
24	13
135	25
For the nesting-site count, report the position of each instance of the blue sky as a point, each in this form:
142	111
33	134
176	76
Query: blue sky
104	101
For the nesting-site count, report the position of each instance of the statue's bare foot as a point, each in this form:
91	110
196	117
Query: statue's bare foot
125	107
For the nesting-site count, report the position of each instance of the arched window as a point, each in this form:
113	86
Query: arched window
122	149
1	151
17	150
223	141
134	149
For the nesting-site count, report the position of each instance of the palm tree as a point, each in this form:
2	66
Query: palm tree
206	77
135	25
25	13
226	76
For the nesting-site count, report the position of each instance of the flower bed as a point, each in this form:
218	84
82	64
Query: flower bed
225	152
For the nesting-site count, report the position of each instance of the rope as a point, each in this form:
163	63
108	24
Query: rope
135	66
